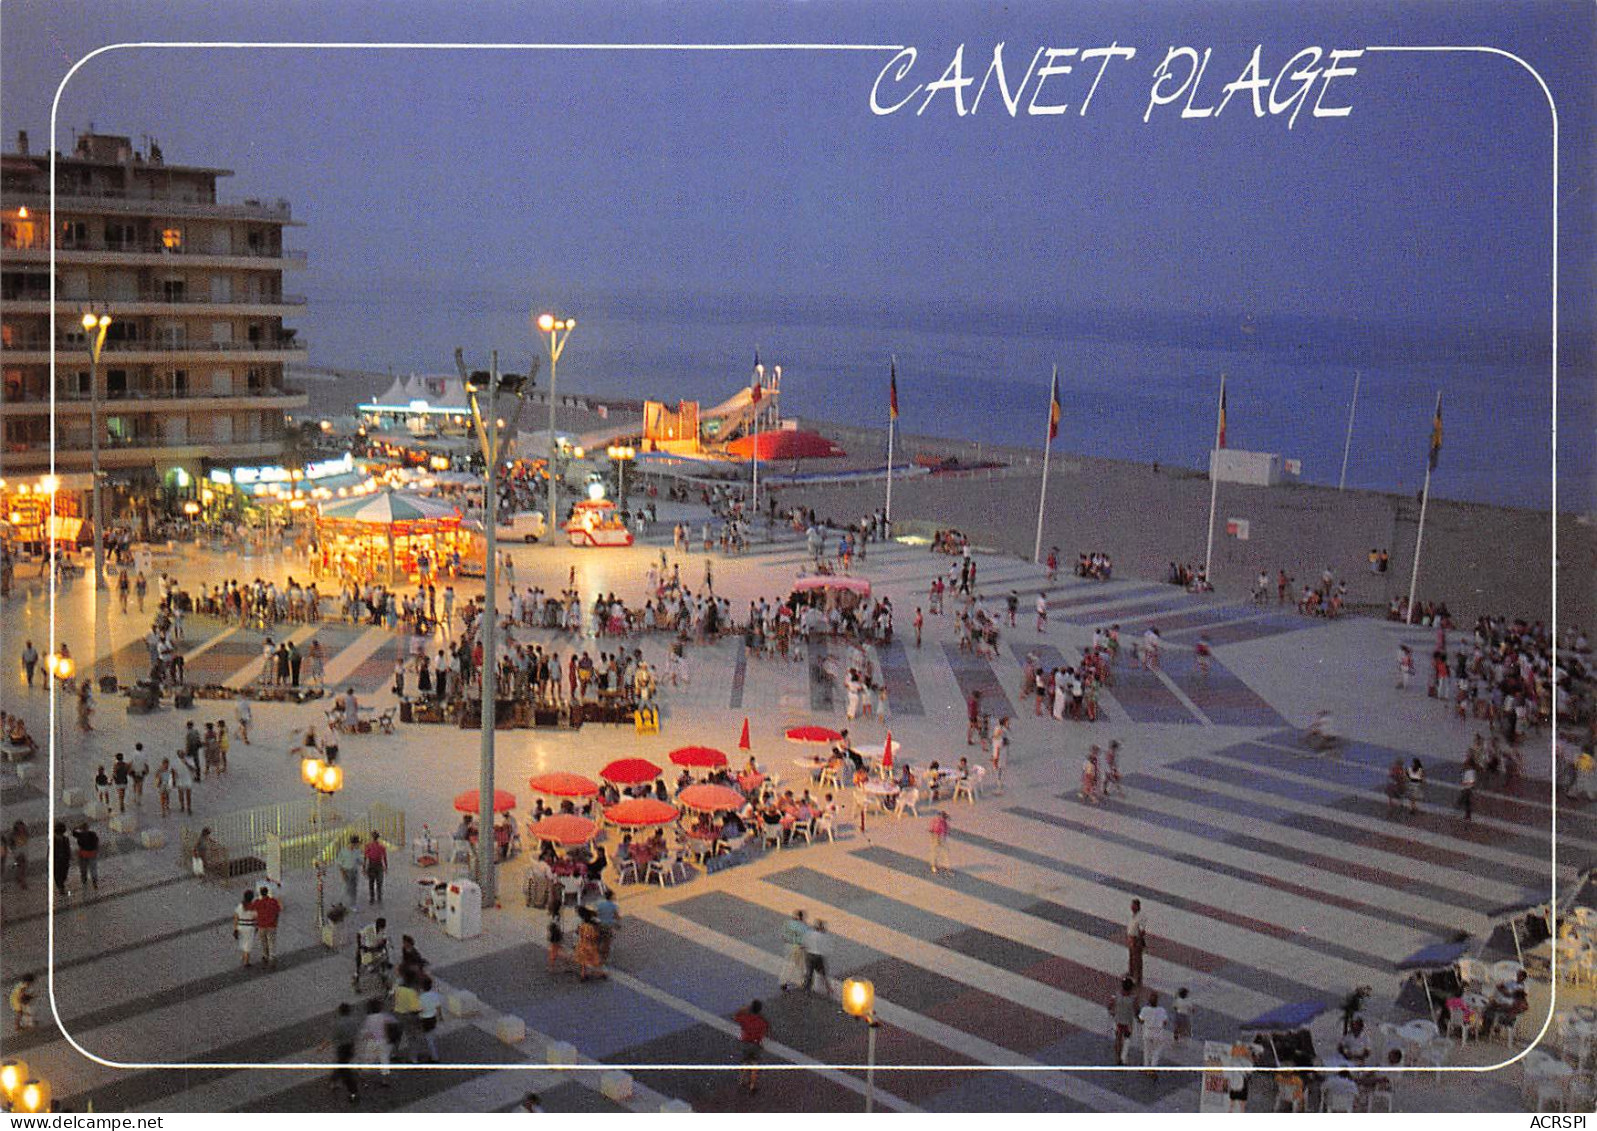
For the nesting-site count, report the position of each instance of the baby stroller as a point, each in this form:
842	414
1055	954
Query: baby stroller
371	959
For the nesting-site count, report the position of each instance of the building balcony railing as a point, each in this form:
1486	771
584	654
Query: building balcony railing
153	247
148	296
120	200
21	344
79	443
39	398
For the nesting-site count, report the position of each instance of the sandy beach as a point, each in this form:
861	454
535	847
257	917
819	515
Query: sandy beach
1479	559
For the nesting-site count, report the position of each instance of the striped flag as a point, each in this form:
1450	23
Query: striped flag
1219	436
1436	433
1053	408
755	391
892	390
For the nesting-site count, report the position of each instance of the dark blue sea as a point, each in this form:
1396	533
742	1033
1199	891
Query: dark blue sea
1133	386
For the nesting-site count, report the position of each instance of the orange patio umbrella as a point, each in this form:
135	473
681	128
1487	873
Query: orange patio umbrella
639	812
470	802
698	757
812	734
561	784
565	829
743	740
711	798
630	771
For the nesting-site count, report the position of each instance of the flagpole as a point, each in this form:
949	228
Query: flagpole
1419	535
1214	485
892	422
1047	451
1348	443
754	508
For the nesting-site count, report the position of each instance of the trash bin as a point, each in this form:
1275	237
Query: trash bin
463	910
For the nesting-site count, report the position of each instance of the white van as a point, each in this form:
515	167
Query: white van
528	526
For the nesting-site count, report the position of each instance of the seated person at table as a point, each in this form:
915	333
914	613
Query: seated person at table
609	794
547	855
1508	1002
624	849
906	776
502	839
1380	1081
1340	1090
539	811
597	865
934	778
1354	1045
684	779
752	769
962	771
568	806
734	827
467	829
17	737
660	791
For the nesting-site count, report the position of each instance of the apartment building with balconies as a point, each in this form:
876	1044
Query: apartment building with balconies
192	371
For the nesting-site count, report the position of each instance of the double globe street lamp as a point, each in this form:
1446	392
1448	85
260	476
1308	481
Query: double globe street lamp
96	326
326	779
559	330
859	1000
21	1092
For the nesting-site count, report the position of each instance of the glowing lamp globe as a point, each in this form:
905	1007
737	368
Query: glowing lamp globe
13	1074
546	322
33	1097
859	997
311	770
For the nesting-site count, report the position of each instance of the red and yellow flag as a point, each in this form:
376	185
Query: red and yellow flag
1053	408
1436	433
892	390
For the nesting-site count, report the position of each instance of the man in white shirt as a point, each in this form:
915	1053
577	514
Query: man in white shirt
1156	1036
817	949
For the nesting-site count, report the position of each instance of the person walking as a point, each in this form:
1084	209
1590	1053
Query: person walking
432	1006
61	858
345	1035
1123	1012
243	714
817	949
793	933
244	927
376	1039
973	717
30	661
1136	942
939	831
1000	749
1416	785
376	857
268	909
88	856
753	1028
1466	793
16	845
185	777
165	782
348	861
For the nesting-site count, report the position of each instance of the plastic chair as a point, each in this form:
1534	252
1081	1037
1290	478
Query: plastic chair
907	802
1338	1103
1382	1096
1435	1054
772	837
966	788
826	825
1472	972
661	871
805	829
625	869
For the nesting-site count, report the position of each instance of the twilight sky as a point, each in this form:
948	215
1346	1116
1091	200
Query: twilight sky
450	186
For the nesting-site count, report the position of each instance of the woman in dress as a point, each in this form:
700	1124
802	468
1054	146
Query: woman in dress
1396	784
244	927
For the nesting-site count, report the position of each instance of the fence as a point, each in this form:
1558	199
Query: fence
240	838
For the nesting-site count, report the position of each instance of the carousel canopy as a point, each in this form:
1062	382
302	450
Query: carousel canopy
388	509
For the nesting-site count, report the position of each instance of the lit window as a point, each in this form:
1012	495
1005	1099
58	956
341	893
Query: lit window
172	239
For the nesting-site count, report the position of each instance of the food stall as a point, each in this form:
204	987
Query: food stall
828	591
594	523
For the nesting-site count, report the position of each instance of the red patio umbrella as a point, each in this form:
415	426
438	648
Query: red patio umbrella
641	811
565	829
630	771
780	445
561	784
743	740
711	798
821	735
698	757
470	802
887	752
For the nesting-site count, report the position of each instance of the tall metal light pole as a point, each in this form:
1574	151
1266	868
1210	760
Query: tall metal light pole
326	780
859	1000
491	383
96	325
558	329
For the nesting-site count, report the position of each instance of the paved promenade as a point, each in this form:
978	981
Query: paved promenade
1268	874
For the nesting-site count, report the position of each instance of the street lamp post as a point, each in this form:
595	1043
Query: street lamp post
61	669
96	325
488	436
559	330
621	455
859	1000
326	780
20	1090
